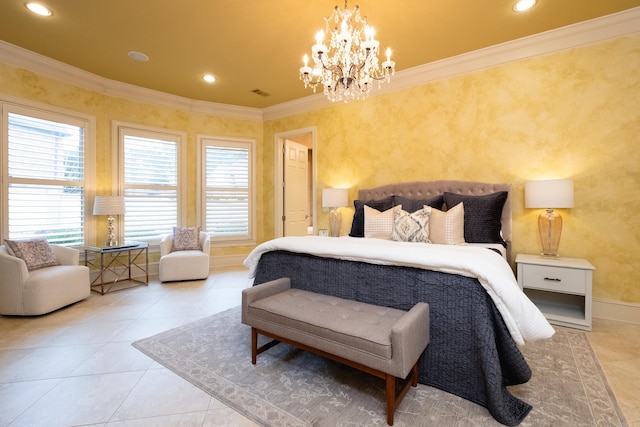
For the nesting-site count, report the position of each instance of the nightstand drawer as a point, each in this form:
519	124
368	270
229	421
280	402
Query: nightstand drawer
558	279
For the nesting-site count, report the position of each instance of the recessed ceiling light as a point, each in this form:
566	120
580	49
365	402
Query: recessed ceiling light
138	56
38	9
208	78
524	5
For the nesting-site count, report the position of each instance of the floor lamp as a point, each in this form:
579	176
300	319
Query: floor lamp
334	198
109	205
549	194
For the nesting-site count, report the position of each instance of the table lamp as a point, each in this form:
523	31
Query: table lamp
109	205
334	198
549	194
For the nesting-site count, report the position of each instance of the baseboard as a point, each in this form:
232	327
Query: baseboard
228	261
616	310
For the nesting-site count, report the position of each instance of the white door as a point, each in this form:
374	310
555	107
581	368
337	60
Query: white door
296	189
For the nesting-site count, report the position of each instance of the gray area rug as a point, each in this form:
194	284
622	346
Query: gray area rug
290	387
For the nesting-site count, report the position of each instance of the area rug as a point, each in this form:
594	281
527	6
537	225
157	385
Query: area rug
290	387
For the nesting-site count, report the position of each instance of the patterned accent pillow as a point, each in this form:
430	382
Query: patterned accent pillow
379	224
412	227
36	253
186	239
447	228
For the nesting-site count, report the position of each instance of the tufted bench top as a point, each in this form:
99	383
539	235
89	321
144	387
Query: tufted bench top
382	341
351	323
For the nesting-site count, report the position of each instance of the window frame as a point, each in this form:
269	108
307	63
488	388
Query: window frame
10	104
119	130
203	141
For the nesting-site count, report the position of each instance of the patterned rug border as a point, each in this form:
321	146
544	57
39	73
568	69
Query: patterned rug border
263	412
598	385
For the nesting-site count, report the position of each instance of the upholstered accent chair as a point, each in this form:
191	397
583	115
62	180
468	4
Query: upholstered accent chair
177	264
43	290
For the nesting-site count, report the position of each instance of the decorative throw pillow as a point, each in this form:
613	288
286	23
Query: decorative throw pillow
411	205
36	253
357	226
447	228
412	227
186	239
379	224
482	216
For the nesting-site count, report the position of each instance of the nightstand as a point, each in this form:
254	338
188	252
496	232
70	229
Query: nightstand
559	287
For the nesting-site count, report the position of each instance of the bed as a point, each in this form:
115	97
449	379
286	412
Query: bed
479	316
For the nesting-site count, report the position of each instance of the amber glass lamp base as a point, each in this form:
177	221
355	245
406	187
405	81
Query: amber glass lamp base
550	228
335	222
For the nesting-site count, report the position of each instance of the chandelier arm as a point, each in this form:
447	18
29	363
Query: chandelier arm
330	68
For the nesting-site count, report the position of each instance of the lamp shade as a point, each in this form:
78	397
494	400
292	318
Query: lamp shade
549	194
334	197
108	205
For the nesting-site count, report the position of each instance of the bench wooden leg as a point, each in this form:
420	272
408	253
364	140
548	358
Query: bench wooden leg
393	399
254	345
255	350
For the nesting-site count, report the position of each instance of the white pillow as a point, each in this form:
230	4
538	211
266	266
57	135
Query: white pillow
447	228
379	224
412	227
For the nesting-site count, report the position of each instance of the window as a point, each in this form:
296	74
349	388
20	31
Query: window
227	199
151	181
45	152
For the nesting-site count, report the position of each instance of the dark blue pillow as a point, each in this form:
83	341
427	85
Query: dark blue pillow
357	226
411	205
482	216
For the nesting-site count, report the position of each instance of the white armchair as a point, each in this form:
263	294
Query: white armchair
27	293
184	265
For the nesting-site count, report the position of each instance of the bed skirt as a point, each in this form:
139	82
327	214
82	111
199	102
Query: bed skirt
471	353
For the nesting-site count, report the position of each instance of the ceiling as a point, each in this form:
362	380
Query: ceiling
259	44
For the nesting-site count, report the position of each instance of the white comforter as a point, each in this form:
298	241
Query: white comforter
523	319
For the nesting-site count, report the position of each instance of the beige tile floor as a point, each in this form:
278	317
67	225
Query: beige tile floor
76	366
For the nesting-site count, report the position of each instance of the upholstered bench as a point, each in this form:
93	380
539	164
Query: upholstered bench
382	341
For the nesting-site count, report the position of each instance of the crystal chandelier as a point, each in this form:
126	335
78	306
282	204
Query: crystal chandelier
347	67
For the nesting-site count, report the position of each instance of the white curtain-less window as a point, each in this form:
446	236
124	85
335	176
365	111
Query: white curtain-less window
46	178
150	186
228	190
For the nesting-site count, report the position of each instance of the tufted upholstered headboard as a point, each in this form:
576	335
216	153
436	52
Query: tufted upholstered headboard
428	189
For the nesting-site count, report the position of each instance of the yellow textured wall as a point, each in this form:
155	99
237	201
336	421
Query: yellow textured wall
25	84
573	114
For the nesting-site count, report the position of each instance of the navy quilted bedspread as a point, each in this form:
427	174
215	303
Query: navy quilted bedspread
470	354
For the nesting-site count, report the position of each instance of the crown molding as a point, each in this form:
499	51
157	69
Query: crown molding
572	36
54	69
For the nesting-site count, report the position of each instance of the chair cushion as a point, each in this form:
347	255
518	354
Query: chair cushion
51	288
184	265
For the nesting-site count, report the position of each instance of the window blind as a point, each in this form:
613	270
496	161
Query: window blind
150	187
45	189
227	191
